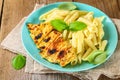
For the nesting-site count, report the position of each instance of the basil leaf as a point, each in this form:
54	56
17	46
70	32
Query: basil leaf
59	24
100	58
76	26
67	6
92	56
18	62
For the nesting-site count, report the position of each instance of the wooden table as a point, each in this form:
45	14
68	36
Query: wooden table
12	11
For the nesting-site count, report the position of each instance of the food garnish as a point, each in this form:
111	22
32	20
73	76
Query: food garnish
18	62
76	26
97	57
59	25
67	6
70	36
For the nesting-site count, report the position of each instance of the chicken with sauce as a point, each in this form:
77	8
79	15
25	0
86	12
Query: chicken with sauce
52	46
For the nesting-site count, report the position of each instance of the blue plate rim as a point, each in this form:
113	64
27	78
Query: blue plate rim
58	68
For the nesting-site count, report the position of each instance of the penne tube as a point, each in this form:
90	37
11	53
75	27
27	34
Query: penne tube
44	16
81	19
91	35
80	42
62	12
82	13
103	45
89	16
65	34
79	58
75	61
90	44
89	50
73	17
94	39
86	32
74	40
70	34
69	15
100	29
101	18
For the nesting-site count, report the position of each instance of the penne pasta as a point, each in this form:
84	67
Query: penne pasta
81	19
74	61
90	44
89	50
73	17
82	13
65	34
73	46
89	16
70	34
94	39
74	40
80	42
103	45
44	16
69	16
100	29
79	58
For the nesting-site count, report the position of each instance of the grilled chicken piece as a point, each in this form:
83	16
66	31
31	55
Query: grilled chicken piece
38	32
53	47
59	52
51	37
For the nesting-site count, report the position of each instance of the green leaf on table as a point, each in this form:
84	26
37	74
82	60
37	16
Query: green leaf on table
18	62
59	25
67	6
76	26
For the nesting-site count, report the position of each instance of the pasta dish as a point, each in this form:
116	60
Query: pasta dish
69	37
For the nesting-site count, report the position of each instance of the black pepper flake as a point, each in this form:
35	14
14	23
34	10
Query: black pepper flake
42	47
38	24
52	51
61	54
38	36
46	40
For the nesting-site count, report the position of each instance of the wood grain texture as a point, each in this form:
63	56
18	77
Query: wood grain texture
13	12
52	1
1	1
1	10
110	7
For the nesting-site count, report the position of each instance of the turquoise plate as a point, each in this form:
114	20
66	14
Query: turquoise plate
109	28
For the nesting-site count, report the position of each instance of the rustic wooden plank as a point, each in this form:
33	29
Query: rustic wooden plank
53	1
1	8
1	2
110	7
13	12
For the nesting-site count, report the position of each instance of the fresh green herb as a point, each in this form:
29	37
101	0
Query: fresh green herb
100	58
76	26
92	56
18	62
59	24
67	6
97	57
